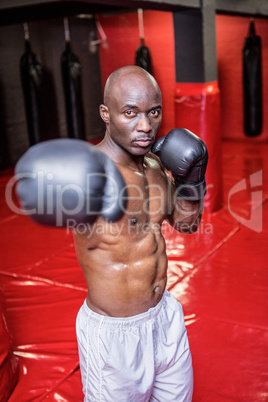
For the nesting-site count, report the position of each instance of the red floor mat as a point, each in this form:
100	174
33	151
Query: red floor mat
218	274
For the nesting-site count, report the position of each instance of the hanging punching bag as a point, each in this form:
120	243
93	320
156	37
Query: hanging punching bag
252	83
143	56
32	82
71	78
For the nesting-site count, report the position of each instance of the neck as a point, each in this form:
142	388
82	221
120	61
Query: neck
121	156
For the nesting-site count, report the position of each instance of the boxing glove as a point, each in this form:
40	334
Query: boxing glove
185	156
65	179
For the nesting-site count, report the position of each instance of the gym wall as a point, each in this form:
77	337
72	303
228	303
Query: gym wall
231	32
47	41
123	39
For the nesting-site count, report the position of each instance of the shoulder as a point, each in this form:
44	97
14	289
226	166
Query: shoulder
154	162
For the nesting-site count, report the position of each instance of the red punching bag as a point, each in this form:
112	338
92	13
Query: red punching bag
252	82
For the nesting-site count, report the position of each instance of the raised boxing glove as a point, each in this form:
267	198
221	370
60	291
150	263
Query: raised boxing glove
185	156
69	179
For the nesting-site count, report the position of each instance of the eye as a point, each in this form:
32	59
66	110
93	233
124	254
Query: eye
155	113
129	113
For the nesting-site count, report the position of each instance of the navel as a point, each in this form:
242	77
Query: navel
134	220
156	289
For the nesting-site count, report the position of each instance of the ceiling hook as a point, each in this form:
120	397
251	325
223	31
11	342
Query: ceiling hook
67	35
26	31
94	43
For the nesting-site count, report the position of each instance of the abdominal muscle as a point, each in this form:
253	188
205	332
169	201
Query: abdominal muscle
126	275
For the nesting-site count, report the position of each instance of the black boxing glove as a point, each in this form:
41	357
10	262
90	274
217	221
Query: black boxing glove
69	179
185	156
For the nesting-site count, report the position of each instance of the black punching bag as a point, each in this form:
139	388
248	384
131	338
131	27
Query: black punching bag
143	56
71	78
32	86
252	82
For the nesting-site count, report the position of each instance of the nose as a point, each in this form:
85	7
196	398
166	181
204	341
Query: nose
144	124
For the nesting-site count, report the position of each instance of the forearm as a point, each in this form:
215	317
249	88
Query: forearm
185	156
187	215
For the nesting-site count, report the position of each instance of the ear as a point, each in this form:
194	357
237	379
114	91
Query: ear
104	113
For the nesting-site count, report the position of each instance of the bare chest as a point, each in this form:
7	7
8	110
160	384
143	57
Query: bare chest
149	196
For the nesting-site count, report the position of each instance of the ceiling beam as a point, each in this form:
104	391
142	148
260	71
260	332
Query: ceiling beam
17	11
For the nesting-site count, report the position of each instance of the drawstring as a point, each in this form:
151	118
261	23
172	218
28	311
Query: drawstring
100	374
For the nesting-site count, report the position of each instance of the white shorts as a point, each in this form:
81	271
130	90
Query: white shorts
141	358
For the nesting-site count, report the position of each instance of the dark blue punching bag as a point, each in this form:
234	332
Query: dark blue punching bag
252	83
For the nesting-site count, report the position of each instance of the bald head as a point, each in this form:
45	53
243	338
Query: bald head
132	111
125	76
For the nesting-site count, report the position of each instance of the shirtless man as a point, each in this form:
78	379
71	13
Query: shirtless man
131	335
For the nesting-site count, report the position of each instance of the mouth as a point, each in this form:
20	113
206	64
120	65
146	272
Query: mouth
144	142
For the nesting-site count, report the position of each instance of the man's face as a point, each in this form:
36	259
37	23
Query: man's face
134	115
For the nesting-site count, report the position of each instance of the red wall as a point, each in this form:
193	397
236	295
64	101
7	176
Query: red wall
123	40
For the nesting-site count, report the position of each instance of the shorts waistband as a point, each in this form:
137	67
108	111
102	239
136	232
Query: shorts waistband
135	320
